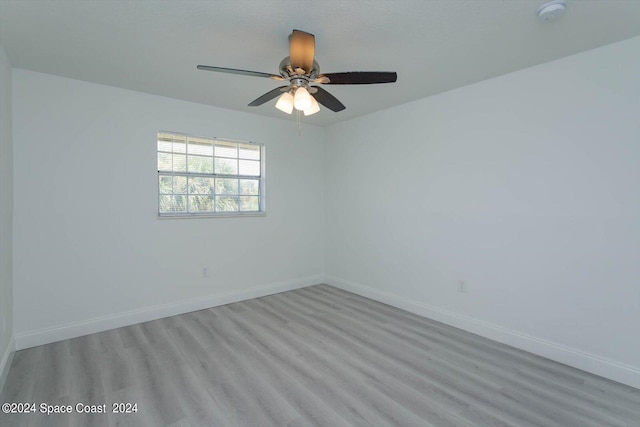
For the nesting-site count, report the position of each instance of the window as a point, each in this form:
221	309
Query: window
209	176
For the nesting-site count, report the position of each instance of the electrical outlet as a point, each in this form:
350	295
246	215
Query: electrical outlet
205	272
462	286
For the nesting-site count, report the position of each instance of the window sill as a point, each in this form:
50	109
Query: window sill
221	215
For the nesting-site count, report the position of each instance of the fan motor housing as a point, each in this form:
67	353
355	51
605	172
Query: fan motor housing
299	81
287	71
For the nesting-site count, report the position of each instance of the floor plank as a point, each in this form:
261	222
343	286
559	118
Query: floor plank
316	356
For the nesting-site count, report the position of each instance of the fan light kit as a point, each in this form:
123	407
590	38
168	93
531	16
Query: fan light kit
300	69
550	11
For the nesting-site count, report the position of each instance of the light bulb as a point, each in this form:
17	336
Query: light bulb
302	99
313	108
285	103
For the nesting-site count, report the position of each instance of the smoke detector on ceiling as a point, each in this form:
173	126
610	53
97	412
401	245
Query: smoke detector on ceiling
550	11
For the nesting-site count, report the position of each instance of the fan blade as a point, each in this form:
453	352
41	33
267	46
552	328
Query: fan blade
241	72
302	47
360	77
328	100
268	96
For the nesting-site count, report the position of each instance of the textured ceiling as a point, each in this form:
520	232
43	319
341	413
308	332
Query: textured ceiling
154	46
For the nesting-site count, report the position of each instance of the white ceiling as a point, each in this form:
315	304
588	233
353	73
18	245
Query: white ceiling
154	46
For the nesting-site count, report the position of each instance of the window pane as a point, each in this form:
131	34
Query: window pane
179	163
180	146
201	147
249	203
226	204
249	186
200	204
227	166
170	185
170	204
249	167
164	162
165	184
198	185
249	152
164	145
180	184
226	186
199	164
226	149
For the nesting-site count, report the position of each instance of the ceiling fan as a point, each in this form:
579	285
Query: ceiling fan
300	70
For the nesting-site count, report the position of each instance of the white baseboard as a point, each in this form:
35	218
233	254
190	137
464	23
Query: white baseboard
570	356
72	330
5	363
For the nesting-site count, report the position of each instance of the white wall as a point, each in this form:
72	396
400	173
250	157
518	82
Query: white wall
6	217
526	187
90	253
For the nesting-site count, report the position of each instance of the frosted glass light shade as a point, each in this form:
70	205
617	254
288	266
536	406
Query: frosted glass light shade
302	99
313	108
285	103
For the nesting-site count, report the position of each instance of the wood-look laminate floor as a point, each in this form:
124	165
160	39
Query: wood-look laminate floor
316	356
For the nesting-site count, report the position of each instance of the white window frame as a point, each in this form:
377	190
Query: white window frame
209	214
